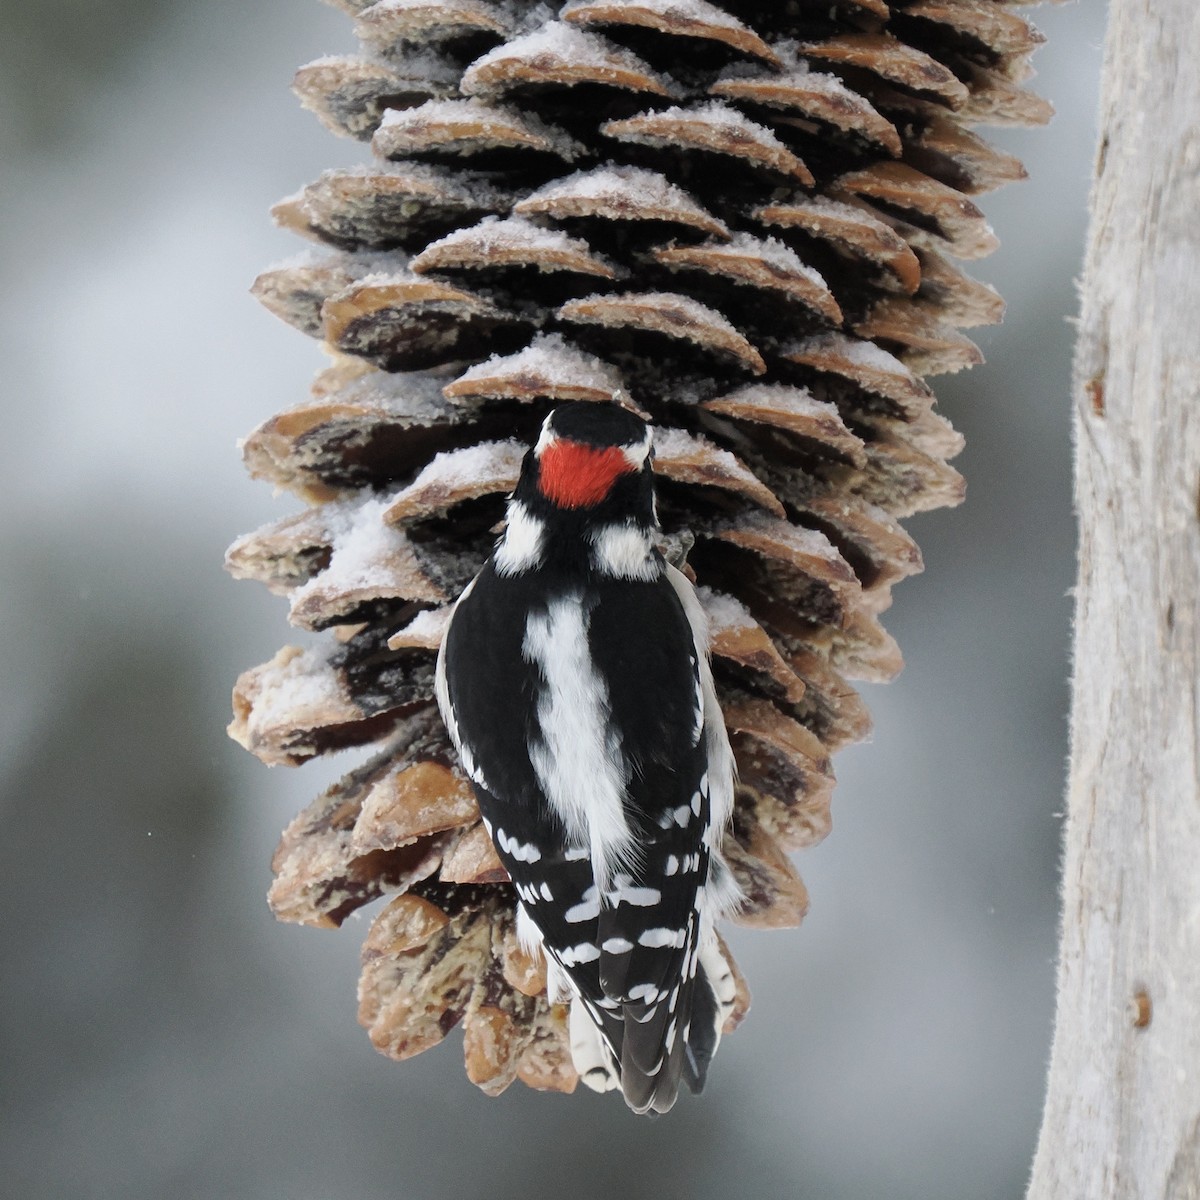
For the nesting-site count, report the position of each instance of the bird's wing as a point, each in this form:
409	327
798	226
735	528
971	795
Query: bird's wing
614	712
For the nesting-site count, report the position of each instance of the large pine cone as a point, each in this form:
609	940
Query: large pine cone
739	220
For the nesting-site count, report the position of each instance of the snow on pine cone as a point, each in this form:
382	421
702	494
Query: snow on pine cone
740	220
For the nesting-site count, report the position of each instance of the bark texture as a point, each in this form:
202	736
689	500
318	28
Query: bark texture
1122	1115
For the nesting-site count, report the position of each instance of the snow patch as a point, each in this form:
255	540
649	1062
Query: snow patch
362	545
560	42
724	612
511	233
453	470
551	358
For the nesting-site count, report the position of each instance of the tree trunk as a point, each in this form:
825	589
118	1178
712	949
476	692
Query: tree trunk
1122	1114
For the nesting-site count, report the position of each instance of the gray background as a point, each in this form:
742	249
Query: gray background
161	1034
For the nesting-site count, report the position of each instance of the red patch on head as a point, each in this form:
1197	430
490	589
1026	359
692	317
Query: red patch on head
577	476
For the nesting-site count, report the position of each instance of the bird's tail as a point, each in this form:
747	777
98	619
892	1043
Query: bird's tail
649	1049
712	1002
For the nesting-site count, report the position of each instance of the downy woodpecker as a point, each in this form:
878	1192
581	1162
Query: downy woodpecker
575	683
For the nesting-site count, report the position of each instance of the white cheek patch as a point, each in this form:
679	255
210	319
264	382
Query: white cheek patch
521	547
624	551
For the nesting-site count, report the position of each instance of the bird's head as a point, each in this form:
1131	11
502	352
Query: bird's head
585	499
585	451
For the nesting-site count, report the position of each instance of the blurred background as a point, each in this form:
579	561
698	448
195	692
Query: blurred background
162	1035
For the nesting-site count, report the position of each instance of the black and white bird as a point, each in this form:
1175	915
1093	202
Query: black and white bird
575	683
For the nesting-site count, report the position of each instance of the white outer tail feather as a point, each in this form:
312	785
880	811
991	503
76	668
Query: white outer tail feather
590	1053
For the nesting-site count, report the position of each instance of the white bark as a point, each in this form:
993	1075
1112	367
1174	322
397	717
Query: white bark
1122	1114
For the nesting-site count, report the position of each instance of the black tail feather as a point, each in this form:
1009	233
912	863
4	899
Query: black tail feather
650	1070
651	1073
703	1035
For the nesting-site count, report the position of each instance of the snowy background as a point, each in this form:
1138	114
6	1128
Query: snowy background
161	1034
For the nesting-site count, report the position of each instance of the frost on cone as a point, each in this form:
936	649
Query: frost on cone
743	221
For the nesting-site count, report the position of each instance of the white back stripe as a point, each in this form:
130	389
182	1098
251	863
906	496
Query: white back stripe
578	759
